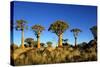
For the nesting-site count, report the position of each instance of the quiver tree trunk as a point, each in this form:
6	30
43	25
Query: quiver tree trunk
75	41
22	40
60	41
38	40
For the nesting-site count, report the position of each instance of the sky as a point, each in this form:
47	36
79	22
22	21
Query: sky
77	16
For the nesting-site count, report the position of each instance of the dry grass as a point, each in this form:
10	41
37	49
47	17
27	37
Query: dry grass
49	55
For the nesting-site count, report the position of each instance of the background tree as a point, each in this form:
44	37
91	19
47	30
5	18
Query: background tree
37	30
26	45
58	27
49	44
94	31
21	25
65	42
42	44
75	33
30	41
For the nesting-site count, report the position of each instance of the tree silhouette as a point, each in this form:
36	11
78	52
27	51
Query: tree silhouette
30	41
59	27
21	25
75	33
37	30
94	31
49	44
42	44
65	40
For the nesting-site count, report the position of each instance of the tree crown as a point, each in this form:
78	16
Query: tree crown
58	27
75	31
37	29
49	43
29	40
94	28
20	24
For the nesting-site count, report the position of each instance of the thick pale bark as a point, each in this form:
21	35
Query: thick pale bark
38	40
60	41
22	41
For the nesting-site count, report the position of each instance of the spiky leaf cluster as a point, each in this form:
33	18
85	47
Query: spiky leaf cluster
37	29
20	24
58	27
76	31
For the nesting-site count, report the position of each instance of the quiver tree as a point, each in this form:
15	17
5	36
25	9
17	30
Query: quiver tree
75	34
59	27
49	44
21	26
94	31
37	30
29	41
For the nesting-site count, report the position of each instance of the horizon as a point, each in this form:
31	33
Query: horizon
77	16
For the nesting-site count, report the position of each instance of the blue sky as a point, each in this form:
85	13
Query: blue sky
77	16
